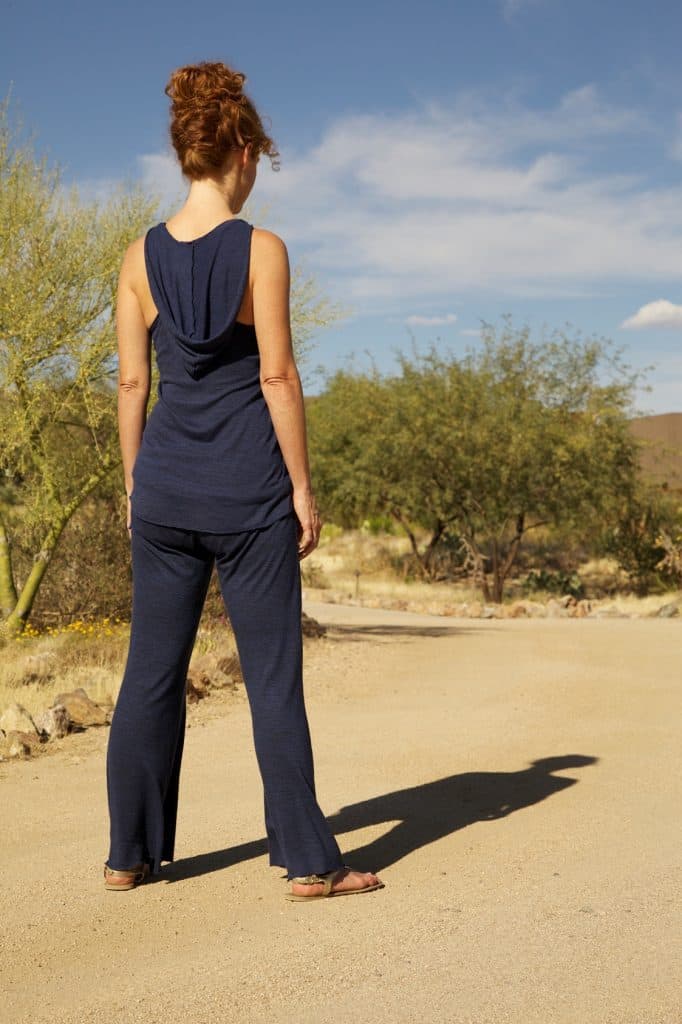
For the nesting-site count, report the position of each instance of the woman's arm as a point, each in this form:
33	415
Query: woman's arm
134	365
279	376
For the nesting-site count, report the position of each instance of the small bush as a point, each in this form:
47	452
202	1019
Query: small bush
312	575
557	582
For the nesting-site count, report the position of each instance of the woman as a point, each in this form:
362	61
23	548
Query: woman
218	474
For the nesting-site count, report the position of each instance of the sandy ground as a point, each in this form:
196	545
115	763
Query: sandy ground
516	785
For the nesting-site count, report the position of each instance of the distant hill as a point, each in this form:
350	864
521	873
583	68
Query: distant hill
661	456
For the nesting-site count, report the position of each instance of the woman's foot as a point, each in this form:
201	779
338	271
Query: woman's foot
116	880
346	879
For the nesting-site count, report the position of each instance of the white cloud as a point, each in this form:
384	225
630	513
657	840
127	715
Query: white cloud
510	8
430	321
660	313
471	332
477	194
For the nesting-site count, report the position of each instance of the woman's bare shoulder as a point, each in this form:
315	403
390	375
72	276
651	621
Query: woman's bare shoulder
268	244
133	258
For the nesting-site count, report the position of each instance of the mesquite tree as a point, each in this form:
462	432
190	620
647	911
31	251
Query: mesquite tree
484	447
59	263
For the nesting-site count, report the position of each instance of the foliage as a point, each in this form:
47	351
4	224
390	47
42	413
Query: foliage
671	543
484	447
59	265
558	582
640	537
59	262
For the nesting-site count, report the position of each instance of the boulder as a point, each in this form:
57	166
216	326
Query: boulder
230	670
196	687
16	718
54	722
81	709
608	612
212	672
19	744
668	611
311	627
555	609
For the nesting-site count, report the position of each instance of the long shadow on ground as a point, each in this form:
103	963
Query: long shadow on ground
425	813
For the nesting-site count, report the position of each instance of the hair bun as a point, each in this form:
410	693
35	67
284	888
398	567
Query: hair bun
211	115
198	81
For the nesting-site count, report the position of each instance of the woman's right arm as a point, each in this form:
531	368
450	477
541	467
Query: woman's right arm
280	380
134	366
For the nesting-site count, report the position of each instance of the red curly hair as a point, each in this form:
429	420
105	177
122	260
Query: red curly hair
211	116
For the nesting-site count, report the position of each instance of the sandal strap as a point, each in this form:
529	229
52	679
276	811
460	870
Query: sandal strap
327	879
136	873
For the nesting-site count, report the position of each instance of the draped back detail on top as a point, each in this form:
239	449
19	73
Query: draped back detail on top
209	458
198	287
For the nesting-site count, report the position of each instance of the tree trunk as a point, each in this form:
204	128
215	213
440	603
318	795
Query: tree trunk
17	619
427	557
8	592
422	558
15	622
502	569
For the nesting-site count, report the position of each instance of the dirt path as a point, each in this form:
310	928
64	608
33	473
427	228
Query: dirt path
516	784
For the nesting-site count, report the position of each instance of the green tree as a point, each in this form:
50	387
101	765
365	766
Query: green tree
59	264
513	435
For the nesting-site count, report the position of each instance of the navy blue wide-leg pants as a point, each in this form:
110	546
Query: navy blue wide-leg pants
259	576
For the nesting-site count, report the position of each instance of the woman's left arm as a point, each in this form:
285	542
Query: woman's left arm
134	364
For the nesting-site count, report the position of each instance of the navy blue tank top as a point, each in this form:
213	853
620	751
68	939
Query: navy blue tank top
209	458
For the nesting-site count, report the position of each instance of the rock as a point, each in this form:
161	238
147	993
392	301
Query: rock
531	609
555	609
311	627
488	612
231	669
583	609
668	611
54	723
81	709
474	609
196	687
608	612
211	672
17	719
19	744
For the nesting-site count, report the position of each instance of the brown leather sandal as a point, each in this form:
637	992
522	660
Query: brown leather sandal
328	880
115	879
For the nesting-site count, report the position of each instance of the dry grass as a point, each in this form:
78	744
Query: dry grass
35	668
347	565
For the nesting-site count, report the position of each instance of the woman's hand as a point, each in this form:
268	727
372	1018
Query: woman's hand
128	515
309	522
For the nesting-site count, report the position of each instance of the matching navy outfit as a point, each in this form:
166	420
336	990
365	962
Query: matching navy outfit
210	487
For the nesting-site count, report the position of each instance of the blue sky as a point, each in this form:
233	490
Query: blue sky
441	163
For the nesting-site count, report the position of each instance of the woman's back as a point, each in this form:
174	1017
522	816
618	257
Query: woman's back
209	458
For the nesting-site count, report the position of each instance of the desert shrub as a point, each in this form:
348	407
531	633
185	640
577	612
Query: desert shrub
553	582
375	525
312	575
